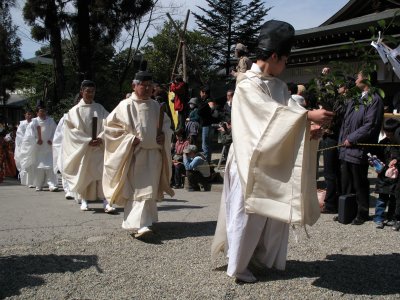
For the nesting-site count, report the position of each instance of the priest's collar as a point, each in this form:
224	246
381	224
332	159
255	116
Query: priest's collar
82	102
255	68
134	97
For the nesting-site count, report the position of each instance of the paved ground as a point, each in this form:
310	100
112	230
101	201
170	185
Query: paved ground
52	250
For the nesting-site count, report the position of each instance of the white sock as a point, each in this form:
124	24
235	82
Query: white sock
143	229
84	203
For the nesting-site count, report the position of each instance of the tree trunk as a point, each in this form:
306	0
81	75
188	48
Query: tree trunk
52	23
84	49
228	50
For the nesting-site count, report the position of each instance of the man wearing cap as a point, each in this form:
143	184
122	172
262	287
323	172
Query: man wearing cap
197	169
270	173
244	62
83	148
193	125
137	162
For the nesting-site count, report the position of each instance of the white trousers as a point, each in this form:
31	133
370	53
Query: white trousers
45	176
94	191
251	236
138	214
28	176
66	188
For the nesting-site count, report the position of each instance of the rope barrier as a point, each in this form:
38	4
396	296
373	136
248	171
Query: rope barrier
360	144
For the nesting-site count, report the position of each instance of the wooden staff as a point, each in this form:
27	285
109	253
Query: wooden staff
39	131
161	119
94	126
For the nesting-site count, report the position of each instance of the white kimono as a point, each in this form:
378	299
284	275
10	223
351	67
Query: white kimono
26	175
136	176
83	164
57	156
265	185
40	157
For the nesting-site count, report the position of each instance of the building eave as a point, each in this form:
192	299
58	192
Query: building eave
353	24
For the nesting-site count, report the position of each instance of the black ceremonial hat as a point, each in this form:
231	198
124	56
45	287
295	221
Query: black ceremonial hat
143	75
87	83
276	36
40	105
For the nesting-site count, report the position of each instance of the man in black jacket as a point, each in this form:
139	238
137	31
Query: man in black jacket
206	110
362	124
331	157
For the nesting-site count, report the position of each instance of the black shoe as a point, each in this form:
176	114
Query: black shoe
207	187
325	210
390	223
379	225
193	190
357	221
396	226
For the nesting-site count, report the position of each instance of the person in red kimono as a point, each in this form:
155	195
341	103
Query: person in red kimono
179	88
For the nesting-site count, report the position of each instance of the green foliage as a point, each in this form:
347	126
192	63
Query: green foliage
44	50
62	107
31	80
10	53
227	22
106	20
324	88
162	49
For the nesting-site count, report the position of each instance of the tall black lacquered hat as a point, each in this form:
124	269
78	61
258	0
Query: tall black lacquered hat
276	36
143	74
40	105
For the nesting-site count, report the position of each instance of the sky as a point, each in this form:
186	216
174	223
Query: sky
301	14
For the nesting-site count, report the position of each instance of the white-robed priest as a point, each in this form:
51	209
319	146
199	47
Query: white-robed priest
137	162
26	176
36	150
83	148
270	173
57	158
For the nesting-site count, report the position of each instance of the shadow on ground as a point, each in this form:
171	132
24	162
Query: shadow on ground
177	207
375	275
165	231
8	181
17	272
174	200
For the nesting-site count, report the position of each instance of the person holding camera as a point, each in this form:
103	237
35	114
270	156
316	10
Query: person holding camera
225	125
197	169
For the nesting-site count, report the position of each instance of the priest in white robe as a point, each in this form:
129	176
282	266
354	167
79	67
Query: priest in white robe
58	161
270	173
26	176
83	148
137	162
36	150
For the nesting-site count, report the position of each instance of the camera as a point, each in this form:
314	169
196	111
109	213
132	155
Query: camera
219	125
